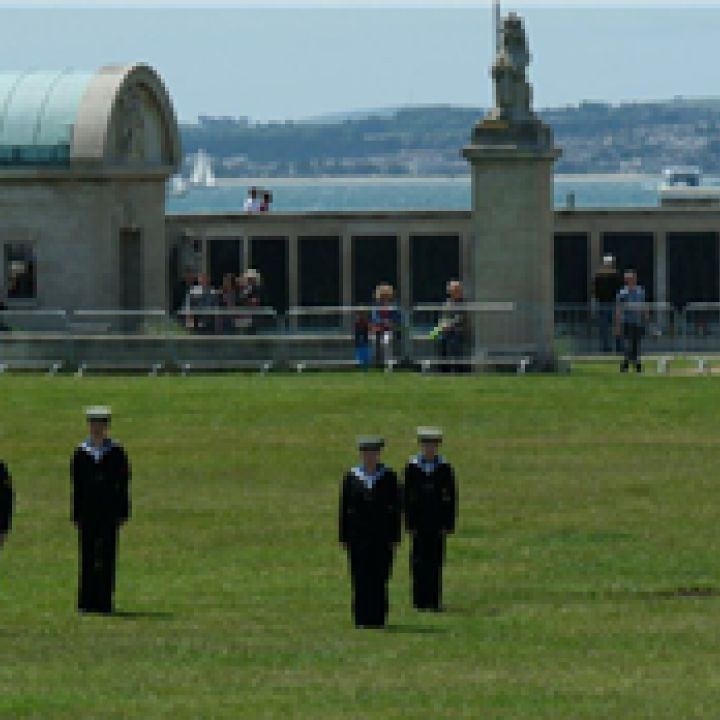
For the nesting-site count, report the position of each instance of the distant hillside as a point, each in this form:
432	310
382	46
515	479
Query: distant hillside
595	138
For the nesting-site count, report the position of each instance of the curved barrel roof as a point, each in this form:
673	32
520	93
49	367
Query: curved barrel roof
60	118
37	115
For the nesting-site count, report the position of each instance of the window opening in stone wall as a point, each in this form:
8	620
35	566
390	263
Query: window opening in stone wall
19	273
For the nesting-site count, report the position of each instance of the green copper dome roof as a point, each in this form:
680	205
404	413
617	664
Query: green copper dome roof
38	110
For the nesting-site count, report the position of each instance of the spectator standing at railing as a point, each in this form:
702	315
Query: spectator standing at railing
606	285
252	202
228	300
252	292
6	502
630	317
385	322
266	201
452	330
361	334
181	289
250	295
200	303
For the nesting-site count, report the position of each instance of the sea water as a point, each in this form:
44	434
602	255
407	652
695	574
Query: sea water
363	194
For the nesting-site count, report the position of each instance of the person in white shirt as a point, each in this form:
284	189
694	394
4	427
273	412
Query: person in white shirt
252	202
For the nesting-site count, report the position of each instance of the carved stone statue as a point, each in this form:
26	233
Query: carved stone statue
512	122
512	90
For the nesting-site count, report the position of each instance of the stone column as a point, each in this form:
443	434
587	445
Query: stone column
595	256
293	272
346	268
403	293
511	155
513	224
661	294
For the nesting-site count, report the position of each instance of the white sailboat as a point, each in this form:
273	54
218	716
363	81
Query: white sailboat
202	173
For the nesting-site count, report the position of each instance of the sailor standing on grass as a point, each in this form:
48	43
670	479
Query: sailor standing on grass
370	523
430	511
100	475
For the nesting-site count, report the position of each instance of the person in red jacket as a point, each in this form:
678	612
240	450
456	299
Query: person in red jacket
100	475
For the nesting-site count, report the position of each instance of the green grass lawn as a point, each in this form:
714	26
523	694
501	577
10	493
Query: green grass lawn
586	503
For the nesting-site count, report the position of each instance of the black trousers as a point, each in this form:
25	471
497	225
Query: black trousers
427	555
452	347
98	553
632	334
370	569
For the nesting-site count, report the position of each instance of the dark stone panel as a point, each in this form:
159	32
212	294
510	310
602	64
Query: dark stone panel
634	251
319	269
269	256
571	268
375	260
692	268
434	259
224	256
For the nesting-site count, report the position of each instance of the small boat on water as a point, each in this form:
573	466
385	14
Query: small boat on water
202	174
683	186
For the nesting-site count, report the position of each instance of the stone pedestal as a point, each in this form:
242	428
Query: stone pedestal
512	216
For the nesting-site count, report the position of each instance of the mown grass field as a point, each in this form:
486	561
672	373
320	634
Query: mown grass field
581	583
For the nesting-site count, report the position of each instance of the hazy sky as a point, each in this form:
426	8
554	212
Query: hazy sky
295	62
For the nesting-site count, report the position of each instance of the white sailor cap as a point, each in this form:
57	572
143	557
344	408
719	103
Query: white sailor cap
370	442
98	412
429	434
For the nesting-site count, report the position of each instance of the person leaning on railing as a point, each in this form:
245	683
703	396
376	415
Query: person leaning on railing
228	301
452	330
251	295
202	299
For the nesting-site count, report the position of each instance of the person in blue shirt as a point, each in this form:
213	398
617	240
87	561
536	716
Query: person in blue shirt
100	475
370	524
630	318
430	511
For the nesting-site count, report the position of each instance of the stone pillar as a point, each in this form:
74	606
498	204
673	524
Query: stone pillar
293	272
513	223
511	155
346	267
595	256
403	293
661	294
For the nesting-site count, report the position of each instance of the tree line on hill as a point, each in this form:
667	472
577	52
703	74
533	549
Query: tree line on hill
426	141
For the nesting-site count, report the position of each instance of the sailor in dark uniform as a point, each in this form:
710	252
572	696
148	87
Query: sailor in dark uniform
6	502
100	475
430	510
370	529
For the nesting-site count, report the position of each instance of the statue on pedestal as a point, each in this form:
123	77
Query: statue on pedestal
512	91
512	120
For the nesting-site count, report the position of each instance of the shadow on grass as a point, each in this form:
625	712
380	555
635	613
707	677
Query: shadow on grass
694	591
414	630
503	600
142	615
